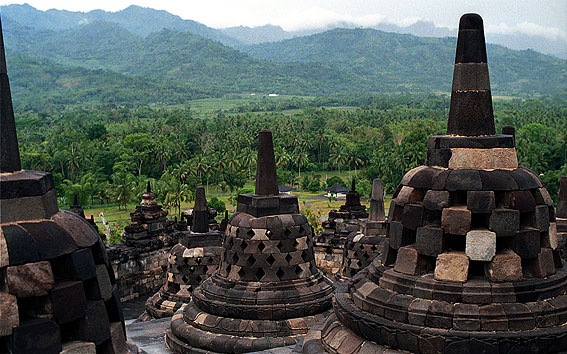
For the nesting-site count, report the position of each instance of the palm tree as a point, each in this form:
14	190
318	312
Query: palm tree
338	158
301	159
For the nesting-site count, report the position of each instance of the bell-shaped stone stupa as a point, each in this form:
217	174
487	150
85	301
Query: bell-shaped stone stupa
267	291
470	264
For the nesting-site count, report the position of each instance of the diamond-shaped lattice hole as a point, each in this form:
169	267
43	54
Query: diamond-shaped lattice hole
251	260
373	248
295	244
260	273
288	258
184	278
304	256
250	233
280	245
241	273
243	245
298	270
270	259
261	246
287	232
366	256
235	258
198	279
280	273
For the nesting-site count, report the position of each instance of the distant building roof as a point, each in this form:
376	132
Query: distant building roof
284	188
337	188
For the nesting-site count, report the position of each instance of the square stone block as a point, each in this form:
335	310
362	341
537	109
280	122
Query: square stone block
549	239
31	279
466	317
541	266
505	267
417	311
477	291
9	316
78	265
452	266
481	202
505	222
542	217
95	326
493	318
429	240
69	301
528	243
410	262
35	336
480	245
21	245
456	220
523	201
542	196
409	195
412	216
399	235
76	347
436	200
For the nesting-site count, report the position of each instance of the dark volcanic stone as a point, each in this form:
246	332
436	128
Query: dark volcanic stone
266	178
505	222
523	201
95	326
200	212
51	240
412	216
497	180
21	248
69	301
35	336
481	201
464	180
527	243
399	235
436	200
429	240
471	113
78	265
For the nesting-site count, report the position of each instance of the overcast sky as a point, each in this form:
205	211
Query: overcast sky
544	17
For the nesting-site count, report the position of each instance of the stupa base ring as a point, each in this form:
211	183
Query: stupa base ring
230	335
164	304
420	339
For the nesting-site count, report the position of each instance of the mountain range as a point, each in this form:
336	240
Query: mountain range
151	56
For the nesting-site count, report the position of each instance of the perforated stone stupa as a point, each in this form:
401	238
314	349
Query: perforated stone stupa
267	291
192	260
57	289
470	264
363	246
330	243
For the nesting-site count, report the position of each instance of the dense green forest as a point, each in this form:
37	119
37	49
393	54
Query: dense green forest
106	155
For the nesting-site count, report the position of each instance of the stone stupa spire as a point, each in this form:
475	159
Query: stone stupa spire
377	202
9	152
266	178
471	101
200	212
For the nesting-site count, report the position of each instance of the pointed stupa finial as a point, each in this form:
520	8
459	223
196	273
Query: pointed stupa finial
226	214
266	178
149	188
376	212
353	185
200	212
471	101
562	200
9	151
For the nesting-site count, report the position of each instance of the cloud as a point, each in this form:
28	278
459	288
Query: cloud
528	28
318	17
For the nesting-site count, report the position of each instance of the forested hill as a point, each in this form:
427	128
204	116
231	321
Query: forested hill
407	59
340	61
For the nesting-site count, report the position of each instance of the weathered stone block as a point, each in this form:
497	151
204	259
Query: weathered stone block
549	239
9	316
395	211
400	236
31	279
520	200
69	301
456	220
542	196
429	240
452	266
493	318
35	336
412	216
409	261
466	317
18	246
76	347
481	202
527	243
505	222
542	218
436	200
480	245
409	195
95	326
417	311
541	266
78	265
505	267
104	283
